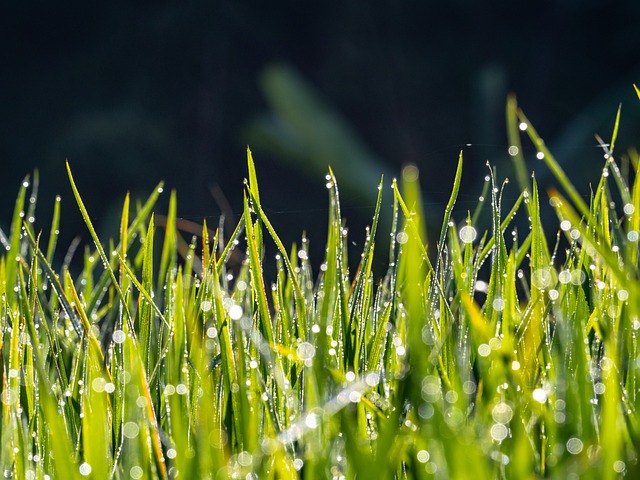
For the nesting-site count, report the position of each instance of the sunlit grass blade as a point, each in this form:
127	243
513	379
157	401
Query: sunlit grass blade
99	247
54	280
515	357
553	165
55	225
96	409
169	247
14	250
515	145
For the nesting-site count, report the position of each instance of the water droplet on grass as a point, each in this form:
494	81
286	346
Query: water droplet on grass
423	456
119	336
484	350
502	413
468	234
235	312
499	432
85	469
206	305
574	445
136	472
130	429
539	395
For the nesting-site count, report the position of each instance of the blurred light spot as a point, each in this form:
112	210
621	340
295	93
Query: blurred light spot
212	332
619	466
574	445
498	304
578	277
539	395
469	387
119	336
482	286
564	276
372	379
410	173
235	312
423	456
502	413
98	384
311	420
484	350
130	429
542	278
245	459
468	234
136	472
355	396
499	432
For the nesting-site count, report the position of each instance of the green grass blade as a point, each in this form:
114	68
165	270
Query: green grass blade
105	260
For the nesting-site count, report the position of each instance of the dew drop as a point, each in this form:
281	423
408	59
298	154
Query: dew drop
468	234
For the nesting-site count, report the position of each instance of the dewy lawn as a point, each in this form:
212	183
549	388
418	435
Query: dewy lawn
479	353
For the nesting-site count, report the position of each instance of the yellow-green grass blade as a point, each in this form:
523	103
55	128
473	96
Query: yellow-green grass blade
622	273
55	225
14	251
105	260
228	361
488	247
448	209
136	226
54	435
301	307
139	410
414	266
56	285
554	166
257	279
168	256
515	145
362	293
145	307
96	409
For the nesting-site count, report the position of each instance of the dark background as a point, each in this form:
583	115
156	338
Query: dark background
136	92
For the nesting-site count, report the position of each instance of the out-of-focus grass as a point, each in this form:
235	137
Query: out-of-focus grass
504	355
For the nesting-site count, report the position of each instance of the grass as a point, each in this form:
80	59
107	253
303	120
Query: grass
490	354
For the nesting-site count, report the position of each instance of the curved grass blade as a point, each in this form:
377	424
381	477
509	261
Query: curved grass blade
100	249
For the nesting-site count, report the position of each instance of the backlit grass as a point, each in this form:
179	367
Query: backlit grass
488	354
